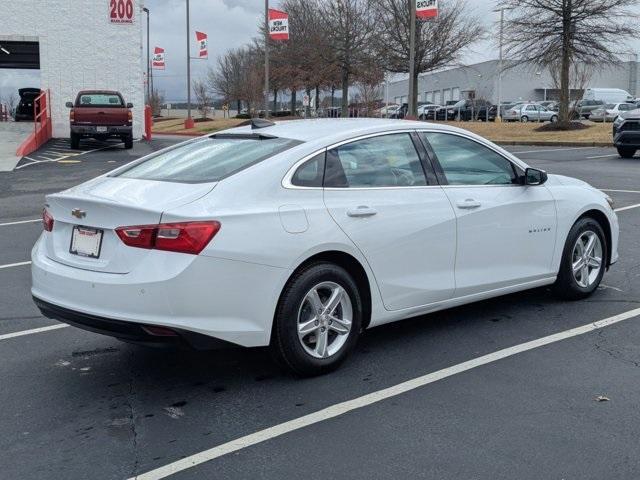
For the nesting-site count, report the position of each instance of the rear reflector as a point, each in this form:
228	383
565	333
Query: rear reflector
47	220
183	237
159	331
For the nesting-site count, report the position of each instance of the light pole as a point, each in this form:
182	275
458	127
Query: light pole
146	10
188	123
266	58
411	110
501	39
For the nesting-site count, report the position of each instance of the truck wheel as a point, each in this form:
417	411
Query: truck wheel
626	152
128	142
75	141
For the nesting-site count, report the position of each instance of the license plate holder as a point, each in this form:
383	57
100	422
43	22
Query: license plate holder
101	129
86	241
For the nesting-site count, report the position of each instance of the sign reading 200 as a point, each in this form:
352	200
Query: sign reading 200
121	11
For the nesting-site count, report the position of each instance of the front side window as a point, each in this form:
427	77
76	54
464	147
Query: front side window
99	100
382	161
207	160
466	162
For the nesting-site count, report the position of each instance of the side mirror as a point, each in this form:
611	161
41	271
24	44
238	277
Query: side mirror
129	105
533	176
69	105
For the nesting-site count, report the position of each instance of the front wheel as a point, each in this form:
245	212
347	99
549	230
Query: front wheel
524	119
554	119
626	152
318	320
583	260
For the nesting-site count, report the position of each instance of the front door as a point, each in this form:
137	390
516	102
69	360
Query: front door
377	192
506	230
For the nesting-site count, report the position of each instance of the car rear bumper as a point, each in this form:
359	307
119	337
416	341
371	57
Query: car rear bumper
225	299
92	130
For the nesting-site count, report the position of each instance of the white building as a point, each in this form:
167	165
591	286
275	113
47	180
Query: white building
80	47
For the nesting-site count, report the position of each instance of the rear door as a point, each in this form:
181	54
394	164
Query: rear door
506	230
377	192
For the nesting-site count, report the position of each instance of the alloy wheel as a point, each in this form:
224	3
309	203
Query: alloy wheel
586	259
324	320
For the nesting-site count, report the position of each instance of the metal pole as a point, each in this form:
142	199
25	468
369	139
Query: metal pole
146	10
189	121
499	113
266	58
411	110
386	94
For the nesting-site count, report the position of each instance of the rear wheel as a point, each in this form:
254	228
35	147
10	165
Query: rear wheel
524	119
128	142
554	119
75	141
626	152
318	320
583	260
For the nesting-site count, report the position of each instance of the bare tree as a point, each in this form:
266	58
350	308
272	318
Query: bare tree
156	100
11	100
203	98
439	43
579	75
349	27
569	31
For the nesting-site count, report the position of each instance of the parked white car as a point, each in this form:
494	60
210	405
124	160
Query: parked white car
301	234
530	112
610	111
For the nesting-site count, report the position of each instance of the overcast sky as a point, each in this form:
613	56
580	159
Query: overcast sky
229	24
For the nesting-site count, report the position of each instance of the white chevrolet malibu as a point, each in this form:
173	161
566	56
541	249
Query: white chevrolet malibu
301	234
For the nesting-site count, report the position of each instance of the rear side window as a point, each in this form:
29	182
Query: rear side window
382	161
99	100
310	173
208	160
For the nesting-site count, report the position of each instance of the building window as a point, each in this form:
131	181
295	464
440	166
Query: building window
455	93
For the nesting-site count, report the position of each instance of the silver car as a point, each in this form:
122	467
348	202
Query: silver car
530	112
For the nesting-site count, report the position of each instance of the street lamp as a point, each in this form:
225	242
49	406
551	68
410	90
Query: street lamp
501	38
146	10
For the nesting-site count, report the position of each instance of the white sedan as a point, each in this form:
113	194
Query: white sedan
301	234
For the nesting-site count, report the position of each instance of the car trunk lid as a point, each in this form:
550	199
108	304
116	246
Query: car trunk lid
104	204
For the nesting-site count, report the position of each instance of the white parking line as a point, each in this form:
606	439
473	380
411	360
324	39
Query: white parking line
7	336
371	398
603	156
618	191
629	207
553	150
19	264
62	157
20	221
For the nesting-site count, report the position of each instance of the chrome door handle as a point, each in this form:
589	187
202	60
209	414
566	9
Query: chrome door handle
362	211
468	204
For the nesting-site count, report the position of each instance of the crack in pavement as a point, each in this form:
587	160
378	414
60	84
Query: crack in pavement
616	355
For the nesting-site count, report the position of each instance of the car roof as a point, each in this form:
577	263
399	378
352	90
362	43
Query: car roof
330	129
83	92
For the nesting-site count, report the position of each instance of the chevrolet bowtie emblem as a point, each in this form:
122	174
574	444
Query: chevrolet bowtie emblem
76	212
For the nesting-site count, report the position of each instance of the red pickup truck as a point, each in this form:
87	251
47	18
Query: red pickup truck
100	114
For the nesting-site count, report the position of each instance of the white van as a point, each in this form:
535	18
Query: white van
607	95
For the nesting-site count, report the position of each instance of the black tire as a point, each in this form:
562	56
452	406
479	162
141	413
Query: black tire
128	142
566	286
285	344
75	141
422	117
524	119
554	118
626	152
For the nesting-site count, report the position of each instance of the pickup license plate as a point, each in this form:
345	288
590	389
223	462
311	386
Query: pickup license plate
86	242
101	129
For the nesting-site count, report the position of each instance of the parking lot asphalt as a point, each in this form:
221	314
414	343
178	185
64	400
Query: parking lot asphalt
77	405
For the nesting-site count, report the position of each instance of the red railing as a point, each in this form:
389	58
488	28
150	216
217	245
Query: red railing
41	125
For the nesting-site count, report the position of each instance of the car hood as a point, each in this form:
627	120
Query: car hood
631	114
564	180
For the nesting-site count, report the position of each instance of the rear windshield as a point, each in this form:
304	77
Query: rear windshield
99	100
208	160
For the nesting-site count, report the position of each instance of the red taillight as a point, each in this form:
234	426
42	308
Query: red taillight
72	116
47	220
184	237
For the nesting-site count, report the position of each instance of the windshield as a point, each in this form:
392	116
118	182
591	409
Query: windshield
208	160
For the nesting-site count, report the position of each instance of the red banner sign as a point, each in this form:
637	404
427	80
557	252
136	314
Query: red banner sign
201	38
158	59
278	24
122	11
426	9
